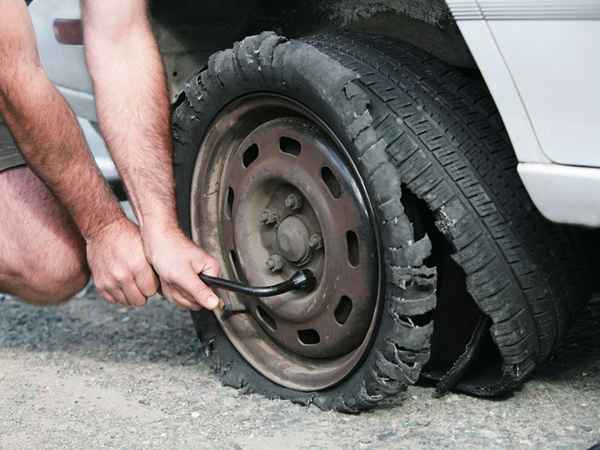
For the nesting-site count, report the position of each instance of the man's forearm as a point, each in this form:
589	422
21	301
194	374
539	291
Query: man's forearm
133	109
51	141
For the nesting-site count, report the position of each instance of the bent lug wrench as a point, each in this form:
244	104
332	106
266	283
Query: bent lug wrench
303	280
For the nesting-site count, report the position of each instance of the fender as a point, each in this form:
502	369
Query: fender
539	62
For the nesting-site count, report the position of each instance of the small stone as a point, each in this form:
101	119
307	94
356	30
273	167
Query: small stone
195	415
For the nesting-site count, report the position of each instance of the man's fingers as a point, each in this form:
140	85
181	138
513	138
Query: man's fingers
106	296
207	298
181	300
147	282
203	263
133	294
118	296
197	290
208	265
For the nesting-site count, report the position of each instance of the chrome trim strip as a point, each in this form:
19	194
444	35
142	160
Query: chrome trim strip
525	9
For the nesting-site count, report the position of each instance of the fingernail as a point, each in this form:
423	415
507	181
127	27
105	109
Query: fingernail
213	302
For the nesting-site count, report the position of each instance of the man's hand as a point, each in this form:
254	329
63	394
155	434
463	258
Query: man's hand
133	109
178	261
119	266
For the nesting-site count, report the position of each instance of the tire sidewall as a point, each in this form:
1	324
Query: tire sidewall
320	83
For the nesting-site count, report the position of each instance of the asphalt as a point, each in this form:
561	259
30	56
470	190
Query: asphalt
92	375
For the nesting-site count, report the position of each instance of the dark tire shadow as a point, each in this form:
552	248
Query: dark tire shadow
579	357
91	328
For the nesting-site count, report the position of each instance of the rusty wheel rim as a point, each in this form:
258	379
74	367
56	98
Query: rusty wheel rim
274	191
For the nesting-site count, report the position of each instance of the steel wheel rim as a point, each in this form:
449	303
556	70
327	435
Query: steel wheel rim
218	201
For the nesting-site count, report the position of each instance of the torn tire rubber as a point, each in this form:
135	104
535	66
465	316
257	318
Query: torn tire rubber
451	150
330	86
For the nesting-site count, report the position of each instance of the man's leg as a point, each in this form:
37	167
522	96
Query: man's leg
55	149
42	255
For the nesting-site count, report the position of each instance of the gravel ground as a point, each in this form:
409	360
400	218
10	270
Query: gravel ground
91	375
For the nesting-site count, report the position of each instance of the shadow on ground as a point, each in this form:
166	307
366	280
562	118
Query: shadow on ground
92	328
580	354
160	332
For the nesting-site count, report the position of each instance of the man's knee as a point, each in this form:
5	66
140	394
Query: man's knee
55	280
61	282
42	255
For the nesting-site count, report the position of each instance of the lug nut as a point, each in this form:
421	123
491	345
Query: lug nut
294	202
316	242
269	217
275	263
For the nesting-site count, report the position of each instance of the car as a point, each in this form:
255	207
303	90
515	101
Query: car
427	160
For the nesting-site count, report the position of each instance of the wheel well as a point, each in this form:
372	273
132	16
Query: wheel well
189	32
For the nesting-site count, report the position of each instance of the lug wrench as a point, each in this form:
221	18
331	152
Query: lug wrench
303	280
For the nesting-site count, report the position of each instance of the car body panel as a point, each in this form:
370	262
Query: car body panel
555	65
502	87
64	64
540	63
564	194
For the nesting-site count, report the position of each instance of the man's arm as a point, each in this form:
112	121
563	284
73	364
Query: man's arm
134	115
53	145
44	126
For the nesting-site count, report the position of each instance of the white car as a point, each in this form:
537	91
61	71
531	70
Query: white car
418	156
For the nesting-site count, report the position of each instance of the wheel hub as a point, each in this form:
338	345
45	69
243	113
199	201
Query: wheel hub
288	199
293	238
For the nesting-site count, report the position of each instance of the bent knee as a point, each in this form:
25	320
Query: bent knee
53	275
60	284
42	254
65	273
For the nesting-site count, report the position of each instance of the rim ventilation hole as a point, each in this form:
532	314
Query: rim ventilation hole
235	262
309	337
332	182
250	155
353	249
266	318
290	146
229	203
343	310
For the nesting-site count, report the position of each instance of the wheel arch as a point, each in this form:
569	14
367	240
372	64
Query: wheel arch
188	33
450	30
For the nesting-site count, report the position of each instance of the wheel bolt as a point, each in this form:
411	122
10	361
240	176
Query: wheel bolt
293	202
269	217
316	242
275	263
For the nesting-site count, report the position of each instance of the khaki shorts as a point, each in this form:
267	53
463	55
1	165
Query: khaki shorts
10	156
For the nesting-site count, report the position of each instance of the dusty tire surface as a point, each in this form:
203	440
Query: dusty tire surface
451	150
332	89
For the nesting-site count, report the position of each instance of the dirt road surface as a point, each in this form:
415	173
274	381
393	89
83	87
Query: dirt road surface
92	375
